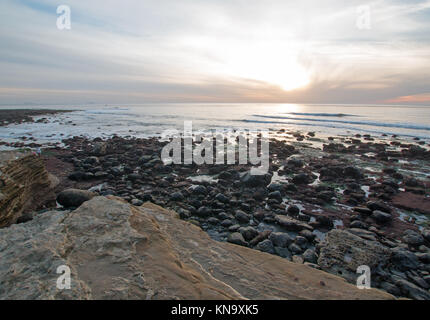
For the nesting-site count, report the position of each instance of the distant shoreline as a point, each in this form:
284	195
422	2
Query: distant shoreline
17	116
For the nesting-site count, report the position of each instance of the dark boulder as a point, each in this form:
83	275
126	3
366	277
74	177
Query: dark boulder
301	178
73	198
236	238
265	246
381	217
404	259
253	181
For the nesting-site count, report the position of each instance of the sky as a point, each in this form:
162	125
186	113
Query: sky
139	51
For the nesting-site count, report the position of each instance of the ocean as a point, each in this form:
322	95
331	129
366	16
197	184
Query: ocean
152	119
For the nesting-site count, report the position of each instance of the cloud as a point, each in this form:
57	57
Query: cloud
418	98
233	51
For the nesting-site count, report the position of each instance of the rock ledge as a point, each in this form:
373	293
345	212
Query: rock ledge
118	251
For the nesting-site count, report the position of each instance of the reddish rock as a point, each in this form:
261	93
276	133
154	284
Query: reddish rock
412	202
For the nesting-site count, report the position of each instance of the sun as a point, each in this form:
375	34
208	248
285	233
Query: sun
275	67
289	78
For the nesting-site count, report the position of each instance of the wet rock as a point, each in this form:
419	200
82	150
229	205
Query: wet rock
250	180
225	175
261	236
334	147
331	173
353	172
100	174
283	252
411	290
74	197
199	189
292	224
78	176
326	196
136	202
290	187
213	220
423	248
259	215
365	234
342	252
308	235
227	223
412	182
222	198
389	170
378	205
426	234
280	239
234	228
248	233
236	238
304	217
297	163
177	196
244	206
260	194
266	246
358	224
99	149
146	197
301	178
276	195
134	176
92	161
293	210
415	151
413	238
404	259
310	256
301	241
25	217
222	215
412	202
363	210
295	249
397	176
204	211
275	187
324	221
381	217
390	288
242	216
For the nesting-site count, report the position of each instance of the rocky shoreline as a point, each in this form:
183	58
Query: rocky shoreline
18	116
333	204
116	251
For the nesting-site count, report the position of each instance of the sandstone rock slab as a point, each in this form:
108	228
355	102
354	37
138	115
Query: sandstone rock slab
118	251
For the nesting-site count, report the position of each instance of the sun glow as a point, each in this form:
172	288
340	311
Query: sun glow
269	61
274	65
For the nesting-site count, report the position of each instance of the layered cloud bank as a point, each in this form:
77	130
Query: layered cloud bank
224	51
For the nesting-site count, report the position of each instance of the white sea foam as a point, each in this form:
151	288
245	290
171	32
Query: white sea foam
151	119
